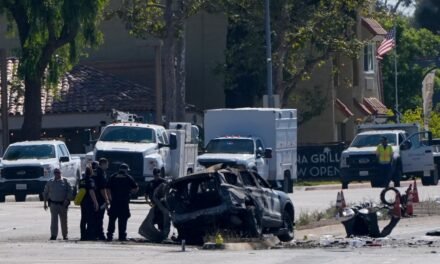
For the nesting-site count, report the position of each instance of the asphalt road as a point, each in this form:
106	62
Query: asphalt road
24	233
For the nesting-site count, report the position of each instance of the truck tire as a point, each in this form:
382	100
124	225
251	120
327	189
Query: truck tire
286	182
376	183
20	197
431	180
344	185
287	224
2	198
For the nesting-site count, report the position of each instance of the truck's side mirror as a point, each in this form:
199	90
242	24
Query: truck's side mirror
173	141
268	153
64	159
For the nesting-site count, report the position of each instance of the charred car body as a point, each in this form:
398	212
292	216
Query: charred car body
236	200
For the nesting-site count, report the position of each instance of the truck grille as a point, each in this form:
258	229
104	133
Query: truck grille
24	172
135	160
362	161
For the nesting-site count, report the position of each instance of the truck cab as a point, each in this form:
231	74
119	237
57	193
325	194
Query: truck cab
412	154
248	152
27	166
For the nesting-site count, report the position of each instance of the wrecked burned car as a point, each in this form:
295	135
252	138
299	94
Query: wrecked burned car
228	199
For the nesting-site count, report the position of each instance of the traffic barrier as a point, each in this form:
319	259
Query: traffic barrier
409	204
343	203
415	193
396	209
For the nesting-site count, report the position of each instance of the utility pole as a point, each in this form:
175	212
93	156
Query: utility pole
4	101
158	80
270	100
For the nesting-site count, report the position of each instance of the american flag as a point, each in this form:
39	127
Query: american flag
387	44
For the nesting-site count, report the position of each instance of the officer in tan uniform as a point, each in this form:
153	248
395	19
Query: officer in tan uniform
57	196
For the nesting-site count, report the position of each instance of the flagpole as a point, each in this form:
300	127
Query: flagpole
395	75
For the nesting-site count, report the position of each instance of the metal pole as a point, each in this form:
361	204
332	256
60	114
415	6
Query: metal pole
268	55
395	76
158	77
4	101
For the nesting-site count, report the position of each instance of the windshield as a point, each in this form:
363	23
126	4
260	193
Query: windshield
372	140
128	134
233	146
30	152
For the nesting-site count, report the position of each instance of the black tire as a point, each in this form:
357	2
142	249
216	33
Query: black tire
2	198
191	236
286	182
375	183
431	180
41	197
254	222
344	185
20	197
383	193
426	181
288	224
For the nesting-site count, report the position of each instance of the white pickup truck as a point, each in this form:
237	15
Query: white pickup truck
145	147
260	139
413	155
27	166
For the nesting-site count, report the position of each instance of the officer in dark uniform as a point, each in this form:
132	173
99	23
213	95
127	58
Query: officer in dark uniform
153	196
100	178
120	186
89	207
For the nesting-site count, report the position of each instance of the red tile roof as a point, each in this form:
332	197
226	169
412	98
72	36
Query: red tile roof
375	106
343	108
362	107
373	26
83	89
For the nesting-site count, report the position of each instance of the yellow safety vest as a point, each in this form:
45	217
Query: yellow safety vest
385	154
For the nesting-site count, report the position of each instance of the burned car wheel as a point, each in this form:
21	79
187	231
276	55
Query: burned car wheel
254	222
191	236
287	224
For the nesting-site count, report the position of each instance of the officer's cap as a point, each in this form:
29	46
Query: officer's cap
124	167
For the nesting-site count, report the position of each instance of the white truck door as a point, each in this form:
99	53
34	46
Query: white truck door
260	161
417	154
165	151
64	166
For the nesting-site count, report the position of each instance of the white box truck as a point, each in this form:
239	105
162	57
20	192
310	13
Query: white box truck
262	139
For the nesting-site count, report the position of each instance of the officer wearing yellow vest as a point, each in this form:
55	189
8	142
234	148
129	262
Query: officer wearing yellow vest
384	153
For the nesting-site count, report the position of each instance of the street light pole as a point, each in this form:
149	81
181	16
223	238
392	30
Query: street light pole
270	100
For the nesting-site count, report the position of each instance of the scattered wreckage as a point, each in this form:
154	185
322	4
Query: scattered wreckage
219	199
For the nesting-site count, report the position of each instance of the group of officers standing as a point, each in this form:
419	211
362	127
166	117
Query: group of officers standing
101	192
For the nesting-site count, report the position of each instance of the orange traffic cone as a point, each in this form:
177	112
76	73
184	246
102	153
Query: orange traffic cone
409	204
343	203
415	193
396	209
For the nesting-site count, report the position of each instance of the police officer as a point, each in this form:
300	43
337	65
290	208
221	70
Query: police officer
153	184
384	153
89	207
120	186
154	192
57	196
100	179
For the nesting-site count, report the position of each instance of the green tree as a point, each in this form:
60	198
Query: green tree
416	116
412	44
305	34
52	36
165	20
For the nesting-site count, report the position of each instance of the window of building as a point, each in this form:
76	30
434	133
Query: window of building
369	57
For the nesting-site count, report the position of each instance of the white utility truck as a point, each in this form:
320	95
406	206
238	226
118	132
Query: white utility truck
27	166
413	154
261	139
144	147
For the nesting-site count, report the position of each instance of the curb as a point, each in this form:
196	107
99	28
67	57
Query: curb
362	185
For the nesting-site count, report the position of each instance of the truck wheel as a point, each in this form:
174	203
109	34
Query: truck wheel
344	185
376	183
426	181
287	224
20	197
431	180
286	182
2	198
